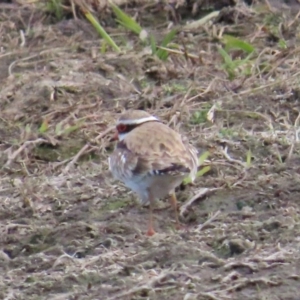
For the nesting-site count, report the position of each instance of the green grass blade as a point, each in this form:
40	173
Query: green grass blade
153	44
168	38
162	53
229	64
58	128
28	128
125	20
44	127
70	129
201	172
248	158
226	57
203	157
103	47
55	7
197	24
101	31
234	43
129	27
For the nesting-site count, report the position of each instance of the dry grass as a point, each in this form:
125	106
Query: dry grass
68	231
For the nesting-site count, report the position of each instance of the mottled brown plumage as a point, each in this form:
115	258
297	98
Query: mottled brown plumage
151	158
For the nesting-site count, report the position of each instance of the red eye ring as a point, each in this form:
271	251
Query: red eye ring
121	128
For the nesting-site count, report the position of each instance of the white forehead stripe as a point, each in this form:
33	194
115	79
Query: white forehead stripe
138	121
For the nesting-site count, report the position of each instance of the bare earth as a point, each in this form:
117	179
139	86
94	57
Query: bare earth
69	231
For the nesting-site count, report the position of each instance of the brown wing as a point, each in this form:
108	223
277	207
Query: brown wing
156	148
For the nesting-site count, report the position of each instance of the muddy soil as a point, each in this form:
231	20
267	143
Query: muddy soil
69	231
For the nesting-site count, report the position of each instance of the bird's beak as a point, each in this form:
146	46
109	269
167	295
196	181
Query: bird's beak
115	137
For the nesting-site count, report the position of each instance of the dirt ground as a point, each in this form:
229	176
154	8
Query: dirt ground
69	231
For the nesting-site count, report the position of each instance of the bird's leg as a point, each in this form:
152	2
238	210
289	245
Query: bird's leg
173	202
150	231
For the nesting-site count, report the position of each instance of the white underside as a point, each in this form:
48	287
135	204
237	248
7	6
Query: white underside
159	186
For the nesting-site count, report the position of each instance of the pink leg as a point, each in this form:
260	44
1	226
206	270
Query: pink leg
150	231
173	202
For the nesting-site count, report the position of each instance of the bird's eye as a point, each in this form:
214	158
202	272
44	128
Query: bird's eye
121	128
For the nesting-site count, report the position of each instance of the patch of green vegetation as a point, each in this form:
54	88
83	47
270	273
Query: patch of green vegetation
249	159
199	117
114	205
233	43
89	278
235	67
159	51
55	8
18	75
61	129
282	44
66	129
221	249
130	24
46	153
144	83
273	25
240	205
272	19
125	20
238	66
29	249
174	88
30	279
41	240
228	132
50	153
101	31
252	115
202	171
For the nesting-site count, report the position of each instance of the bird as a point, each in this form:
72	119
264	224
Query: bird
151	159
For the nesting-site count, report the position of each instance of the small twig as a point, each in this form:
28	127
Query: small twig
245	281
23	40
248	112
294	20
177	52
15	154
260	87
240	180
58	164
18	60
224	152
149	286
277	63
272	10
232	265
200	194
207	90
173	120
76	157
104	133
62	258
208	221
30	57
211	296
74	10
224	163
